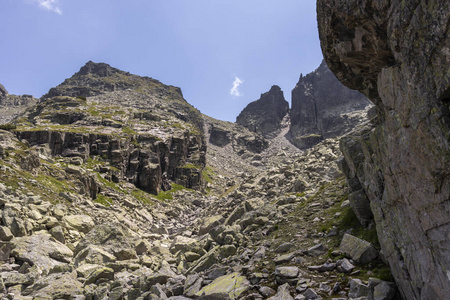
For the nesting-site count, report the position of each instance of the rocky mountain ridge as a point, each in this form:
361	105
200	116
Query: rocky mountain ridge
322	107
128	198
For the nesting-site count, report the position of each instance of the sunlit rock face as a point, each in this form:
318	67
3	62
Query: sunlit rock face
397	54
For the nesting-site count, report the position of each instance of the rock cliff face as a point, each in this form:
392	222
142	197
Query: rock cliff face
142	129
397	54
264	115
13	105
3	94
322	108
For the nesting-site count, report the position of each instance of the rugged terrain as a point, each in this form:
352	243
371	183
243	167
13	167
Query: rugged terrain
13	105
397	54
113	186
322	107
264	115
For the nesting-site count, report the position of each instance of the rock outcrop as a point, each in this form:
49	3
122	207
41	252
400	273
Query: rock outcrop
3	94
12	106
322	107
161	138
397	54
264	115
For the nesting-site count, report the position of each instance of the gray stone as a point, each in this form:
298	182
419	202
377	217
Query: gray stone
317	250
93	255
357	249
287	272
345	266
361	206
142	247
58	233
285	258
322	107
310	294
100	273
5	234
55	286
232	284
282	293
266	291
18	227
358	289
192	285
206	261
384	291
41	250
209	223
82	223
284	247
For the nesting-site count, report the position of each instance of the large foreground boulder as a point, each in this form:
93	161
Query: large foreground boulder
41	250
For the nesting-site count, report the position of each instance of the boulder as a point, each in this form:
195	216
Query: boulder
55	286
111	238
357	249
232	284
282	293
209	223
82	223
41	250
100	273
358	289
93	255
5	234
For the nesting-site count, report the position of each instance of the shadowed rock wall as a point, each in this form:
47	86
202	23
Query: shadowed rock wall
322	108
397	53
264	115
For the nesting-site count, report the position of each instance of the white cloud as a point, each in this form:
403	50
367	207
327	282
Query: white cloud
51	5
234	90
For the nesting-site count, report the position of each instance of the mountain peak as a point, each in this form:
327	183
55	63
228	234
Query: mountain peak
264	115
99	69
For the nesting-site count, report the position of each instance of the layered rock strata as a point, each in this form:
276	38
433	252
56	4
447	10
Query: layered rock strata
397	54
265	115
322	107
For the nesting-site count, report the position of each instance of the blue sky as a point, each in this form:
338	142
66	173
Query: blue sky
206	47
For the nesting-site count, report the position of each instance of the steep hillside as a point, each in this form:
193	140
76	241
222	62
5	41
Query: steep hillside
397	54
322	107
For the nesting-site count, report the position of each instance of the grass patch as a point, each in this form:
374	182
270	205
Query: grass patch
191	166
8	127
108	183
142	196
128	130
207	173
104	200
168	195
